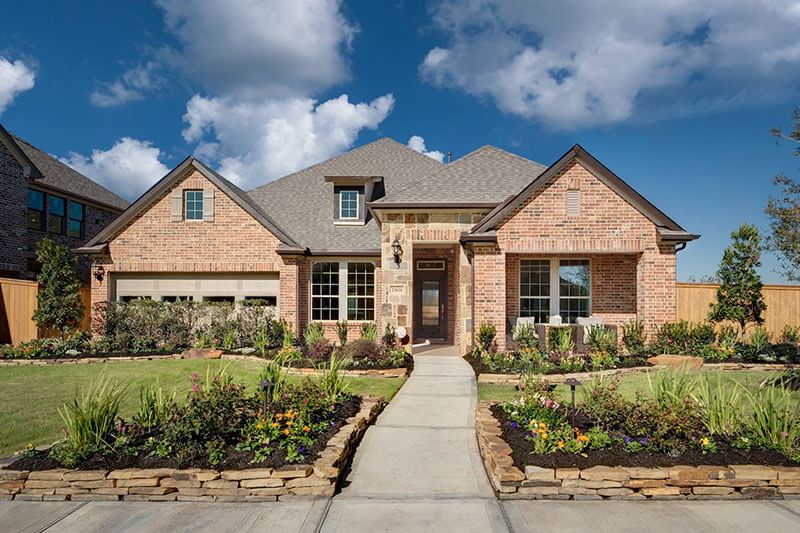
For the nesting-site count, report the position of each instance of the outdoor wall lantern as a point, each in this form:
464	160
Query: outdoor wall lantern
397	251
267	386
572	382
98	271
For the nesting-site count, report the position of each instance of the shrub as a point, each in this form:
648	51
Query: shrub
397	356
560	340
726	340
671	387
341	332
331	381
721	405
363	349
603	339
486	335
598	438
389	335
633	337
600	360
59	297
571	362
603	402
790	335
534	386
701	337
155	406
320	351
369	331
774	419
673	338
760	340
89	421
314	333
525	335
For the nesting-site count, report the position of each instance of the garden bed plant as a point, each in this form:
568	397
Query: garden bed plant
605	349
220	424
684	421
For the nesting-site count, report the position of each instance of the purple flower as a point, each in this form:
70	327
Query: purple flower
514	425
627	440
643	441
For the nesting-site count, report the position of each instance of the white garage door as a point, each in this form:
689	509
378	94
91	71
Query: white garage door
197	287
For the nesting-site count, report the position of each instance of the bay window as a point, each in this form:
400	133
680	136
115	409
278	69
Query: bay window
341	289
555	287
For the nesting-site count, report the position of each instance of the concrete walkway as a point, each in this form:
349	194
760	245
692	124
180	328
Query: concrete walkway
418	468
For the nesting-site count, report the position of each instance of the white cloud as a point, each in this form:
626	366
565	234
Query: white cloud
574	64
131	86
128	168
258	140
15	78
417	144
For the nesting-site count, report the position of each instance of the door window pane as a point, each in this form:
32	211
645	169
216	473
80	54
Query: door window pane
430	303
55	214
574	287
534	289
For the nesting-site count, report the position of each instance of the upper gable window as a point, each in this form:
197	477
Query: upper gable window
193	205
348	204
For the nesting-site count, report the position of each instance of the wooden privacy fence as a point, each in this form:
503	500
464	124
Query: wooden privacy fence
17	304
783	304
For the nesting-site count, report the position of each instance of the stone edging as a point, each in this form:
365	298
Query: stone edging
167	484
385	373
626	483
513	379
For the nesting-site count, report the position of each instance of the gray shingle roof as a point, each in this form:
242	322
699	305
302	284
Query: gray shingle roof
64	178
302	203
488	174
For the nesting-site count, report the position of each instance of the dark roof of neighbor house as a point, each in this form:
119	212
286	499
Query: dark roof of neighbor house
488	175
303	201
94	245
59	176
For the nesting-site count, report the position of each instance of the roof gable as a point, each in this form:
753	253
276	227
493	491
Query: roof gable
29	169
164	184
669	229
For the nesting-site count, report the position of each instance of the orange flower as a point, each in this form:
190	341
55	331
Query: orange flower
583	438
286	432
274	424
306	429
289	423
561	444
279	416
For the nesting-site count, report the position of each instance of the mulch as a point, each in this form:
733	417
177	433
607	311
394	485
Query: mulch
234	459
618	456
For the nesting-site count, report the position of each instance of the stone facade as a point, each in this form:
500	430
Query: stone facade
168	484
626	483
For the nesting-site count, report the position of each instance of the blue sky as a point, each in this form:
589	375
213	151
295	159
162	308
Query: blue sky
678	100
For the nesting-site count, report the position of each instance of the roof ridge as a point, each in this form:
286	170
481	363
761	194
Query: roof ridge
335	158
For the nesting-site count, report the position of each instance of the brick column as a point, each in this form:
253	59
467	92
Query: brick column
489	266
290	291
656	300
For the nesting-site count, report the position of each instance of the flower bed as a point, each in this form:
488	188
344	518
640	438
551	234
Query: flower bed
169	484
690	432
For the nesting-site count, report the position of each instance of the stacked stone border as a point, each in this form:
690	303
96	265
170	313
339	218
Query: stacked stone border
626	483
513	379
369	372
167	484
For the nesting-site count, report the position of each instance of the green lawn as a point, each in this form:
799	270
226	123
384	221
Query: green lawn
628	385
32	394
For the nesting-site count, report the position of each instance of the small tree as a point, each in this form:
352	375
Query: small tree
739	297
783	211
60	306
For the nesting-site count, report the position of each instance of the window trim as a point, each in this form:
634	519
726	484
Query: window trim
555	288
341	204
343	295
186	205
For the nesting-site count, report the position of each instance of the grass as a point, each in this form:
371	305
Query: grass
630	384
32	394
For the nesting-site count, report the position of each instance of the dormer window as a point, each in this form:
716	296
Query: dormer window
349	204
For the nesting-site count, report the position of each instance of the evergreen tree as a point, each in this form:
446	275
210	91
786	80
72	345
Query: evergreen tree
60	306
739	297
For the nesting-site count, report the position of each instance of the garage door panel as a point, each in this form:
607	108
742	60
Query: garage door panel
198	286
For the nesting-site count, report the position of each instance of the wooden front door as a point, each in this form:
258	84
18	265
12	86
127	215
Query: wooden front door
430	305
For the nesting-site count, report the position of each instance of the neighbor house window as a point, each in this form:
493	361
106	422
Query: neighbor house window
348	204
55	214
76	222
343	289
35	209
550	287
193	203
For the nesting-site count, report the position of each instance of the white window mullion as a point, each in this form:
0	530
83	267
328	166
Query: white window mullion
554	287
342	290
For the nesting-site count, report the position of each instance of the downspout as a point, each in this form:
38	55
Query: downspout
680	246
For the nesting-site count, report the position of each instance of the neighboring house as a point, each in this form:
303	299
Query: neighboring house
42	197
385	234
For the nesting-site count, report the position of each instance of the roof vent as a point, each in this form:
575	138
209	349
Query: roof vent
573	202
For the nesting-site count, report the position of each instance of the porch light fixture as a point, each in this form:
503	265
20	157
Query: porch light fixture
397	251
98	272
267	386
572	382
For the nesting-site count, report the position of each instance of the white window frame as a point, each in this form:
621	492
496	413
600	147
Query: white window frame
186	205
555	278
341	204
343	296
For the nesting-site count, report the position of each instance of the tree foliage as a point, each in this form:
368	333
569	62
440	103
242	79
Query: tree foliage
783	211
739	297
60	306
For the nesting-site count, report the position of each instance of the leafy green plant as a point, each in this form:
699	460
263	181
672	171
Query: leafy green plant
726	339
89	420
229	340
603	339
389	335
560	340
571	362
599	360
525	334
671	387
332	381
314	333
59	297
397	356
701	337
288	336
774	417
274	371
341	332
155	406
369	331
721	405
598	438
760	340
673	338
261	341
790	335
633	337
363	350
486	335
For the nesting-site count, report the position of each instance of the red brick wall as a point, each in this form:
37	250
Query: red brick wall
489	301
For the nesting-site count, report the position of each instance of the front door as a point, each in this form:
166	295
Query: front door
430	305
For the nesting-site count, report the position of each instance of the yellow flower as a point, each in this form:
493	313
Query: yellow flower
306	429
561	444
289	423
286	432
704	441
279	416
544	436
259	426
274	425
583	438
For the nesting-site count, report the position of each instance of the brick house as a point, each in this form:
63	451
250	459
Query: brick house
385	234
42	197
